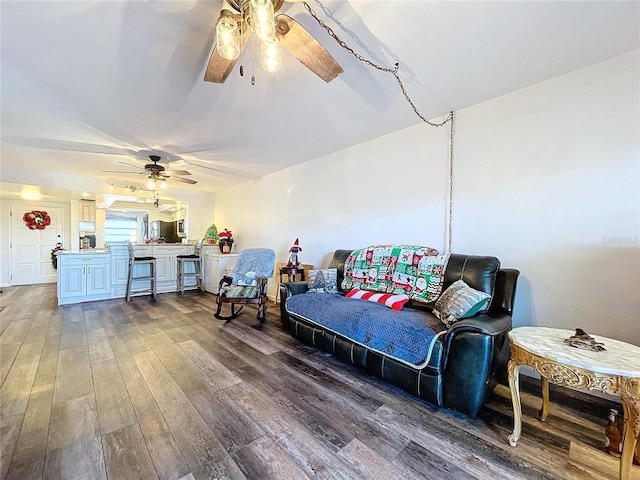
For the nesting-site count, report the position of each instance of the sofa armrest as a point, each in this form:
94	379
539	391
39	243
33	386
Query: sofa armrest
287	290
474	350
487	324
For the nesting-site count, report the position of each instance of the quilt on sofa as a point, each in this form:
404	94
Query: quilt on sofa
400	269
406	335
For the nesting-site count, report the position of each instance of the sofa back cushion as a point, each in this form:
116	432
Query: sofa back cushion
337	262
478	272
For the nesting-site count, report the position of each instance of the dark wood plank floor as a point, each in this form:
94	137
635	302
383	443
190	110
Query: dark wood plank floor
116	390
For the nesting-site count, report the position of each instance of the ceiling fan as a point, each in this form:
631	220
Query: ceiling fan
257	16
157	174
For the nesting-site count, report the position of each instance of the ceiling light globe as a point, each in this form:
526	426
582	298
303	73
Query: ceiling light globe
271	54
263	21
163	184
151	183
227	36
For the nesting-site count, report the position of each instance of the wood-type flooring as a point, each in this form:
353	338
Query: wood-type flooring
117	390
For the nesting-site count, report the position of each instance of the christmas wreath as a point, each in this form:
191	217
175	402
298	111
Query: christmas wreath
36	219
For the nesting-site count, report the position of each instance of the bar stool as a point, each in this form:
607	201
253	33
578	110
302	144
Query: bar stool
151	277
197	269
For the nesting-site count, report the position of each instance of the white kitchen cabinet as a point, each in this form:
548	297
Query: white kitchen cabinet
120	268
83	277
87	211
216	266
166	265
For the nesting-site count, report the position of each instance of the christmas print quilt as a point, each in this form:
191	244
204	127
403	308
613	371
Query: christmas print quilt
399	269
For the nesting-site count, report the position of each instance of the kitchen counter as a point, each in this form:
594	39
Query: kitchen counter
101	273
83	251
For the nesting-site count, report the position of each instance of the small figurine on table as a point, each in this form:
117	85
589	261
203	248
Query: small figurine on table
294	262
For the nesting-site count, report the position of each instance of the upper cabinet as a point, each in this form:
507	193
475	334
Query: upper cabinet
179	214
87	210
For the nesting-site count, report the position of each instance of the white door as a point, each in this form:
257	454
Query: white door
31	249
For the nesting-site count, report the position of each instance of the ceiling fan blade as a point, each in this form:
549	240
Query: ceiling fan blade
177	172
302	45
235	173
131	165
184	180
219	68
120	171
67	145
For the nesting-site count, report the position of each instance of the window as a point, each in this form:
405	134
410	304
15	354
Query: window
120	227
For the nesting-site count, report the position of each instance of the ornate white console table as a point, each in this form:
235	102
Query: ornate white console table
614	371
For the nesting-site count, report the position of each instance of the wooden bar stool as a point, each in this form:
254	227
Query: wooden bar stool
182	274
151	277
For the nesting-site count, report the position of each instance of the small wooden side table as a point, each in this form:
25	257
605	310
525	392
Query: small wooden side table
291	273
615	371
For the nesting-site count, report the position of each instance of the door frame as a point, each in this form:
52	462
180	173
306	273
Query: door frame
12	211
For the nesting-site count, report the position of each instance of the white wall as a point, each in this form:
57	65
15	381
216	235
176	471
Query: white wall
546	178
200	213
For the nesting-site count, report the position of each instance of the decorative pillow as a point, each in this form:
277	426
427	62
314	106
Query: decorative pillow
323	281
459	301
249	278
395	302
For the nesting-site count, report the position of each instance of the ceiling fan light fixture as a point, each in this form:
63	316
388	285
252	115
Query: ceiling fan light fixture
271	54
163	184
262	18
227	36
151	182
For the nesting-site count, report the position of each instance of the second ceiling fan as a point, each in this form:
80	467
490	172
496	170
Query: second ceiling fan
157	173
258	17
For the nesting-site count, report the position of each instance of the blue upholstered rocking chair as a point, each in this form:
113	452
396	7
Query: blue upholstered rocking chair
247	283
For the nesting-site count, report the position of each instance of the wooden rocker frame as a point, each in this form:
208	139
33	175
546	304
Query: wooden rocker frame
261	301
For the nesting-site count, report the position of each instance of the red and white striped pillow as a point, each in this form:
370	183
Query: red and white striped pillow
395	302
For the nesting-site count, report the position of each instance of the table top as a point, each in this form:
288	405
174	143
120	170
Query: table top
292	269
619	358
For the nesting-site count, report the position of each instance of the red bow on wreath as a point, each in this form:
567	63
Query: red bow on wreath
36	219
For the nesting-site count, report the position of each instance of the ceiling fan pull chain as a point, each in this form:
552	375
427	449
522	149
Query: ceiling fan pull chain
241	54
253	59
393	71
450	211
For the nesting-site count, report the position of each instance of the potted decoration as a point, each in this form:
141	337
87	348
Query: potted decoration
211	235
54	255
225	241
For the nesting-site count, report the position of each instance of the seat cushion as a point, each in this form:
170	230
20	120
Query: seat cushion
407	335
240	291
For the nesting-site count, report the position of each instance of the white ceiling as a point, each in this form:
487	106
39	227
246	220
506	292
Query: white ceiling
87	84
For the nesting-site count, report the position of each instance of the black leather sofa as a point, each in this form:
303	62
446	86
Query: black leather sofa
464	362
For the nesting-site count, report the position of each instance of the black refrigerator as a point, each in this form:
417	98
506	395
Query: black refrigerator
166	230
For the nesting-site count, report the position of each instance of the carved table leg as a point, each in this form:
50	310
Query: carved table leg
514	386
545	399
630	396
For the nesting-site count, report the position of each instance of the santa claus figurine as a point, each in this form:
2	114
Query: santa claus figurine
294	262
